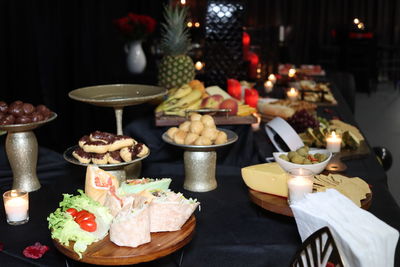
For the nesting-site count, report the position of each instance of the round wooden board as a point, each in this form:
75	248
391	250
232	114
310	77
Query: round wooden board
279	204
104	252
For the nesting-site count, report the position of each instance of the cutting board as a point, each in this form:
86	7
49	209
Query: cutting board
105	252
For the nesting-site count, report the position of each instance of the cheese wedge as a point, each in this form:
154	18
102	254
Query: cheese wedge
267	178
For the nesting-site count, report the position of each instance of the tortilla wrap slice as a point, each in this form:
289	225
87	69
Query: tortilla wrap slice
113	203
98	182
134	186
131	227
169	211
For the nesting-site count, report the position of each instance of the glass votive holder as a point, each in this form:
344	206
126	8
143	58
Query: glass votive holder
333	142
16	205
300	183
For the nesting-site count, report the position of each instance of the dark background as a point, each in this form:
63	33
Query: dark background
48	48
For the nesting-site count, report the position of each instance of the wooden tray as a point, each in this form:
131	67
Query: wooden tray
219	120
277	204
104	252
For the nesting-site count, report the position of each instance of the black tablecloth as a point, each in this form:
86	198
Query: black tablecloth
230	231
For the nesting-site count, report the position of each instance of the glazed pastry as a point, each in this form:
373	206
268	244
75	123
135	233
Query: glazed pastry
121	141
82	156
99	158
96	147
114	157
133	152
83	140
102	136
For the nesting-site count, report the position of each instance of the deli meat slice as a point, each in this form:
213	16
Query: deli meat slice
169	211
131	227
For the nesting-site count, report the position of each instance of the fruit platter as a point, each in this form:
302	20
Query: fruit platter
194	97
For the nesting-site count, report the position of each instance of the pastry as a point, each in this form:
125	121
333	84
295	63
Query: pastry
171	132
133	152
191	138
196	127
210	133
179	137
114	157
121	141
203	141
185	126
82	156
195	117
222	138
83	140
208	121
99	158
102	136
95	147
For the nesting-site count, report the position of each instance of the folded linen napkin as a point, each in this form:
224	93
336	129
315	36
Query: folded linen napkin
362	239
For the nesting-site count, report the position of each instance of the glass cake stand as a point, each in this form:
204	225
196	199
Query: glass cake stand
200	163
119	96
22	153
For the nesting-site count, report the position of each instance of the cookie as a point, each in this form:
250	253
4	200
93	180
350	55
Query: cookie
82	156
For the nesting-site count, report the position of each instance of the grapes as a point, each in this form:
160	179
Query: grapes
302	120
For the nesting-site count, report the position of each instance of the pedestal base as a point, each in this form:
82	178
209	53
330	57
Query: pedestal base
200	170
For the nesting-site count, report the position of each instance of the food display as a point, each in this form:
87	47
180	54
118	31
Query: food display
107	148
351	136
302	120
316	92
302	156
107	209
354	188
200	130
19	112
284	108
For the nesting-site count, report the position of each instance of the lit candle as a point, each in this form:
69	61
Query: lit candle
291	73
268	86
16	204
333	143
272	78
300	183
198	66
292	94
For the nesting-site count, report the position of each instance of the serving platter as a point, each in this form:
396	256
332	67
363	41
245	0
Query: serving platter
104	252
162	120
279	205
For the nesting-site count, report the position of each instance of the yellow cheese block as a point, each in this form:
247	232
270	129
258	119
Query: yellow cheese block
267	178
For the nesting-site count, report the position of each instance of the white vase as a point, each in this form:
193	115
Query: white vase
136	59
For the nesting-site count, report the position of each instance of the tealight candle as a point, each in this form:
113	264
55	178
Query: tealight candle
199	65
272	78
292	94
333	143
300	183
268	85
291	73
16	205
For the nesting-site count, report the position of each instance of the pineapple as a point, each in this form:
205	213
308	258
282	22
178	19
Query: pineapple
176	67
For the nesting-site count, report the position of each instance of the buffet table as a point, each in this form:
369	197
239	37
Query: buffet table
230	229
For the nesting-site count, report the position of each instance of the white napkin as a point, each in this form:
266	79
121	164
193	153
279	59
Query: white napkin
362	239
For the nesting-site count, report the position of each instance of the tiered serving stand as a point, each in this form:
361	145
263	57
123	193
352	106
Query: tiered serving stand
22	153
117	96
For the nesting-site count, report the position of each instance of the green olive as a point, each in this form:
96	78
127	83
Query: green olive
302	152
297	159
307	161
284	157
323	157
291	154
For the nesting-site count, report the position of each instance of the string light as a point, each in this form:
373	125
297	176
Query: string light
190	24
356	21
183	2
197	24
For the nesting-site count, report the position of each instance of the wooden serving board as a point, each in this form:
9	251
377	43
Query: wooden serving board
277	204
219	120
104	252
361	152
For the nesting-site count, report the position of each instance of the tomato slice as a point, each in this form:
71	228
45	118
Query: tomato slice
84	215
72	212
88	225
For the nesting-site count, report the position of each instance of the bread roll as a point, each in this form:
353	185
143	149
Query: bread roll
171	132
276	110
179	137
202	141
195	117
184	126
208	121
196	127
210	133
191	138
222	138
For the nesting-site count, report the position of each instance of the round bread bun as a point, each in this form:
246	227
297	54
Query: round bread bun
171	132
184	126
222	138
208	121
210	133
195	117
191	138
179	137
196	127
202	141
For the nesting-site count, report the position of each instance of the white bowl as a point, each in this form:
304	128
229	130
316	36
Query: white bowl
315	168
279	126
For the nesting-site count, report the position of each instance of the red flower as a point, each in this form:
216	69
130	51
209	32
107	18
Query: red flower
135	27
36	251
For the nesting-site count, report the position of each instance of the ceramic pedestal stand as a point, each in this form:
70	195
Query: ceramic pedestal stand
22	153
119	96
200	163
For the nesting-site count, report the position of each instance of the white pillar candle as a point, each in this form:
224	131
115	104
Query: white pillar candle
291	73
333	143
272	78
293	94
268	86
300	183
16	205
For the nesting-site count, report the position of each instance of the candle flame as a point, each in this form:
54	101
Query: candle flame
291	72
198	65
14	193
333	134
293	90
